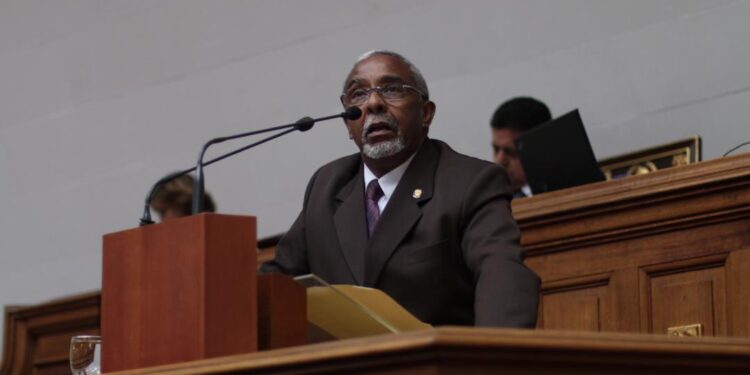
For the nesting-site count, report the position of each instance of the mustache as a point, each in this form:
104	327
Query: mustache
380	119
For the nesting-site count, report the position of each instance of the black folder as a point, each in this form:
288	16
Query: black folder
558	155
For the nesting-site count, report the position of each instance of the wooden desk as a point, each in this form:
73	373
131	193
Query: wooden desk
488	351
645	253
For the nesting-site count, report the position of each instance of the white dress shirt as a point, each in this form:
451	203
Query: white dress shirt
526	189
387	182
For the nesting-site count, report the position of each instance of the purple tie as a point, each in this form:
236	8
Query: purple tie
373	193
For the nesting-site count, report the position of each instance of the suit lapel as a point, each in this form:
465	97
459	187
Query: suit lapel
402	212
351	227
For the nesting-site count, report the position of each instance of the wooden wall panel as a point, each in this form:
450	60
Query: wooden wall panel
685	293
675	242
738	293
677	303
576	304
37	338
578	310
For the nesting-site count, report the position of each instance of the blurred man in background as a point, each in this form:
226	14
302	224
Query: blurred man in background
510	120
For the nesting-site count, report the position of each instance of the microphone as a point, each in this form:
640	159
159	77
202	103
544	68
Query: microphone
352	113
303	124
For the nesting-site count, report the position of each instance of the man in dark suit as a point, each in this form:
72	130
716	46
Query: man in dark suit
410	216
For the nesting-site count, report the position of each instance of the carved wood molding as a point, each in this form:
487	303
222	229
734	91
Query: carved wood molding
574	283
453	350
678	198
24	325
711	261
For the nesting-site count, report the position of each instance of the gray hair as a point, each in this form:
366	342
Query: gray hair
419	81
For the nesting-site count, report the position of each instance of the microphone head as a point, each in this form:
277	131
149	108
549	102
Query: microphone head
304	124
352	113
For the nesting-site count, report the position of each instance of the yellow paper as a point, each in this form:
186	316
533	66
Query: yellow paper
348	311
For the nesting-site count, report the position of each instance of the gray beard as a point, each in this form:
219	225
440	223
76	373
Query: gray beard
384	149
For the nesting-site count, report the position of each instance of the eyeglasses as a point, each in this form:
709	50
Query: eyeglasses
389	93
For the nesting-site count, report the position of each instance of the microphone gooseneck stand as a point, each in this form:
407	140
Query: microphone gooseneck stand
303	124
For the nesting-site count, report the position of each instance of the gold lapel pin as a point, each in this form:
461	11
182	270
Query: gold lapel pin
417	193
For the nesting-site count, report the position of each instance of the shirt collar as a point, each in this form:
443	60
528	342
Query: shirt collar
526	189
388	181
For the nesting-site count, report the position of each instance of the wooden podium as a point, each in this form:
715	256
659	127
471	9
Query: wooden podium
179	291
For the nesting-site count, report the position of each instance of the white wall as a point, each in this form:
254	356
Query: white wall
98	99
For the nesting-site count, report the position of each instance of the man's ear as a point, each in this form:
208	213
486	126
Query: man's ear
428	113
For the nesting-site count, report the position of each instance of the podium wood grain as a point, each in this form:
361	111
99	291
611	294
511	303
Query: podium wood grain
460	351
178	291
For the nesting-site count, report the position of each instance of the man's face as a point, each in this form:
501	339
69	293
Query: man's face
503	142
387	129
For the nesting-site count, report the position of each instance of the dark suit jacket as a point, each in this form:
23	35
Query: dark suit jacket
450	255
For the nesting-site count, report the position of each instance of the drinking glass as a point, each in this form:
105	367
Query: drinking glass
84	355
